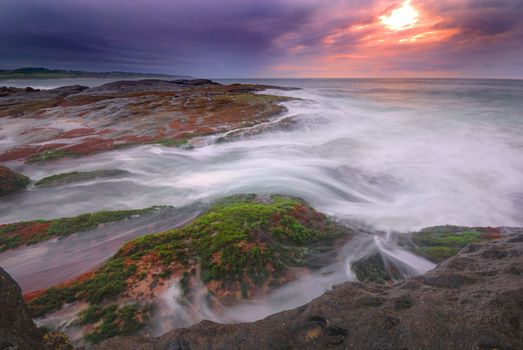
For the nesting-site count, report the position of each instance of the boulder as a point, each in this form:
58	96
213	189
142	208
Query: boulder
11	181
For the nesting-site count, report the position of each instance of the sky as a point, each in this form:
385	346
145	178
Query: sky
267	38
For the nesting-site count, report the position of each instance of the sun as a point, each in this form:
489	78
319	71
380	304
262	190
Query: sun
401	18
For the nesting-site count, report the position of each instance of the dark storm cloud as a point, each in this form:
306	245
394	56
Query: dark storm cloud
189	35
250	38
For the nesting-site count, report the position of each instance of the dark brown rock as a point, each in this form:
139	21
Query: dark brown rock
17	329
11	181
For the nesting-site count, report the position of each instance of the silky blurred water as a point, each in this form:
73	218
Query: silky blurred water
391	154
381	155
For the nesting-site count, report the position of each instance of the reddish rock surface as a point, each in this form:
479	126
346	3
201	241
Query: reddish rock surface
75	121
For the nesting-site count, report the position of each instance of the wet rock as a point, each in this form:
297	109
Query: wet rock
441	242
284	124
22	102
428	318
373	269
11	181
17	329
494	254
448	280
275	239
79	176
112	115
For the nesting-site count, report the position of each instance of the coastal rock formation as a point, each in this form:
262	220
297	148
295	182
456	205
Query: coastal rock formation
11	181
76	120
473	300
18	234
241	248
79	176
17	330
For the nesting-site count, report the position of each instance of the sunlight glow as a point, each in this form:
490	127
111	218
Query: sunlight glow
401	18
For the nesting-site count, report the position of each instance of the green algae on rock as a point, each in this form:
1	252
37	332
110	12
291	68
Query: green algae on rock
31	232
441	242
113	320
11	181
78	176
242	246
374	269
49	155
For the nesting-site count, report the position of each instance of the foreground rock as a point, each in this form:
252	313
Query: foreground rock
241	248
17	330
473	300
11	181
31	232
75	121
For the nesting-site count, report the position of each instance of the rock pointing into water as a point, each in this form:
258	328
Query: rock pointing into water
11	181
74	121
17	330
473	300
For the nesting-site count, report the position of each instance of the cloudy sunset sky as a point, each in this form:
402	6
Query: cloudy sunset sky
270	38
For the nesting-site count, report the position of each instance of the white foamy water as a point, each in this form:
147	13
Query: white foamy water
395	155
385	155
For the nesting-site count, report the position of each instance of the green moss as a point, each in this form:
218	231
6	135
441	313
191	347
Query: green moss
90	315
173	142
67	226
10	234
108	281
233	242
77	176
124	320
19	181
439	245
373	269
50	155
185	283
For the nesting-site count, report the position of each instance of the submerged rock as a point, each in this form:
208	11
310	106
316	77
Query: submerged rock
374	269
11	181
441	242
22	233
472	305
79	176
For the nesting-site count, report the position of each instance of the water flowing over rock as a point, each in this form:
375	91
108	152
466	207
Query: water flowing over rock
73	121
473	300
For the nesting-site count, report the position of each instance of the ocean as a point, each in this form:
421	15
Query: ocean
393	154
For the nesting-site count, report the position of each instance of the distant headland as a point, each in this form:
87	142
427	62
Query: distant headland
44	73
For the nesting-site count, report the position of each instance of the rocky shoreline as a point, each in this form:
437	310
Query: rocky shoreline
116	278
74	121
473	300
